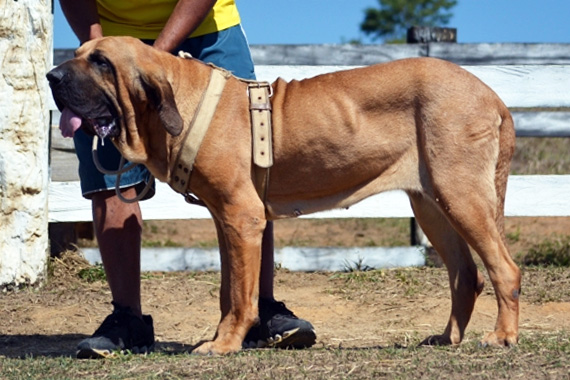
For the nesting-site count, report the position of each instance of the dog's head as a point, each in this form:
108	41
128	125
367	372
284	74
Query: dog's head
113	84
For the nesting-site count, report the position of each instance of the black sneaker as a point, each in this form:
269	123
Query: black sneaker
279	328
120	331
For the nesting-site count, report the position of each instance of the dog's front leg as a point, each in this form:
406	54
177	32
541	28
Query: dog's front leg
240	253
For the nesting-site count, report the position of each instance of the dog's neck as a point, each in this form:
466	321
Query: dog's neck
144	140
182	165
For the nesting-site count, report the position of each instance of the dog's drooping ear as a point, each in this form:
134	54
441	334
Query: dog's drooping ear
160	94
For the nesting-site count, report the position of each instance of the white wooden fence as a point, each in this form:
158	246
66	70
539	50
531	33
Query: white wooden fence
546	87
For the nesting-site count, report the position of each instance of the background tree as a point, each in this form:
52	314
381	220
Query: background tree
392	19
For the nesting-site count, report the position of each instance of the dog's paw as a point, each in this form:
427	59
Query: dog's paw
204	349
499	339
214	348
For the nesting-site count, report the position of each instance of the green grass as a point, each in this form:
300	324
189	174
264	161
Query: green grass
541	155
553	251
93	274
212	243
515	236
538	356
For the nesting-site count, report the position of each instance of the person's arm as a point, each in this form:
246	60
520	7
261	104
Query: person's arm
186	17
83	18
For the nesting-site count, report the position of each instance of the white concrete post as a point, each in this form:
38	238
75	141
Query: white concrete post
26	30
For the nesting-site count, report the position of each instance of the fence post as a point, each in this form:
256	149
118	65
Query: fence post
25	56
425	35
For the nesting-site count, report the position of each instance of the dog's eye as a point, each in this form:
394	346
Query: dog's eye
100	61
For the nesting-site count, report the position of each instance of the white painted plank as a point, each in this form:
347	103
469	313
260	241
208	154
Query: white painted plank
334	54
67	205
391	204
538	195
517	85
527	86
292	258
349	54
542	124
501	53
343	258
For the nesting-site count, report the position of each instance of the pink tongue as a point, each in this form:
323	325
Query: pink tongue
69	123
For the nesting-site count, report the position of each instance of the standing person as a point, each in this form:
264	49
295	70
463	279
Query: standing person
209	30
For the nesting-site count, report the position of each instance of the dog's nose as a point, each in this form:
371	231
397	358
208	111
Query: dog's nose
55	76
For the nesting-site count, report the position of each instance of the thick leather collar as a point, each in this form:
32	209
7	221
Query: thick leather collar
182	167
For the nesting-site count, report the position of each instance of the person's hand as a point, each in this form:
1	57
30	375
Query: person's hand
184	19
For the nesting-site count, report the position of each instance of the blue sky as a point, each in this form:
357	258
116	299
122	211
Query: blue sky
337	21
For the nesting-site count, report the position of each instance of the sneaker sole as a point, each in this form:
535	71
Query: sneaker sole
295	339
93	353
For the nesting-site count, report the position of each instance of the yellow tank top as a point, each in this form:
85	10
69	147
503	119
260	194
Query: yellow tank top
146	18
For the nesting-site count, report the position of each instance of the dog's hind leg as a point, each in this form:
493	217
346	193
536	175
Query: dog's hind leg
470	192
465	281
475	221
467	159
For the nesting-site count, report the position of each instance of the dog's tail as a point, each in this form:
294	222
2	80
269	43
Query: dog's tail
506	150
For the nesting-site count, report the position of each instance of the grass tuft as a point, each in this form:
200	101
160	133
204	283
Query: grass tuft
555	252
92	274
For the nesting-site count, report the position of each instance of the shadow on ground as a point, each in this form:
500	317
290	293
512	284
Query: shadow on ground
63	345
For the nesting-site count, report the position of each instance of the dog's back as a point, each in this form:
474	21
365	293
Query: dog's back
380	128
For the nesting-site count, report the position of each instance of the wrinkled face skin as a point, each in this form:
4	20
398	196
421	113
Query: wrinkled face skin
78	88
103	89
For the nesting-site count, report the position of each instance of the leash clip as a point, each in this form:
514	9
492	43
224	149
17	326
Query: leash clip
191	198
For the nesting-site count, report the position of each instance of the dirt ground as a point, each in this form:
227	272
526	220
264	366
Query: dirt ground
358	309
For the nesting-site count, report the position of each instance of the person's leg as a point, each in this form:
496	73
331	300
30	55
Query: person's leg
118	228
267	263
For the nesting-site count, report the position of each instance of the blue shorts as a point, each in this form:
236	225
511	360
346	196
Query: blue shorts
228	49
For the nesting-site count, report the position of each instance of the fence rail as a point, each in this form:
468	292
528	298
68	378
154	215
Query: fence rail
349	54
538	95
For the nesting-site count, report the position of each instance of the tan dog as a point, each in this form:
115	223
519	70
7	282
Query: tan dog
425	126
